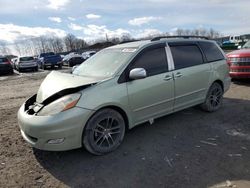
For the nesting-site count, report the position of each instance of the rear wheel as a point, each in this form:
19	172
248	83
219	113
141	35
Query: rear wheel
214	98
104	132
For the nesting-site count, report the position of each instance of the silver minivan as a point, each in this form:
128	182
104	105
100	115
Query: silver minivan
120	87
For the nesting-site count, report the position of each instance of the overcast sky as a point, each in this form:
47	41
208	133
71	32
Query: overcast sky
20	19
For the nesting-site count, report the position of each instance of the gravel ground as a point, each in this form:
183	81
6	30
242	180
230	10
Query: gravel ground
190	148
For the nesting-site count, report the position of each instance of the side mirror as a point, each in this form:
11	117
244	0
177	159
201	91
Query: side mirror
137	73
73	68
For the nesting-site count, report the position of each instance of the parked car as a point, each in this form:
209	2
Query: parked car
5	66
25	63
73	60
49	59
88	54
239	62
120	87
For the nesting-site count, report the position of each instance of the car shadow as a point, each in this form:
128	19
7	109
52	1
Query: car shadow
244	82
190	148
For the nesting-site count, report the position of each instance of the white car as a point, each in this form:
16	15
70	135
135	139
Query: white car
24	63
88	54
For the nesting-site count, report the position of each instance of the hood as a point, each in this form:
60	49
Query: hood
239	53
56	82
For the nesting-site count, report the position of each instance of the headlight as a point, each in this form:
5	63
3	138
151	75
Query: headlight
60	105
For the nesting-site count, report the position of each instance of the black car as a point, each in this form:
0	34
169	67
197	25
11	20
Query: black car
73	60
5	66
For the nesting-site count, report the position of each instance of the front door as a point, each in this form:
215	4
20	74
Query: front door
152	96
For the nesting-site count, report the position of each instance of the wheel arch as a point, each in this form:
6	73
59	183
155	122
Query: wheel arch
120	110
219	82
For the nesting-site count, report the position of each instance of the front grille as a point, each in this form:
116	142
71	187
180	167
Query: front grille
239	70
240	61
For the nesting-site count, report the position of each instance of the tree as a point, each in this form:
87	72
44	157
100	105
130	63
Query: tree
4	50
69	41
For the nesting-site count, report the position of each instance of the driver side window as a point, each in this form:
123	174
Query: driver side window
154	61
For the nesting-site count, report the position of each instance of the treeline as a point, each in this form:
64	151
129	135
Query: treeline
70	43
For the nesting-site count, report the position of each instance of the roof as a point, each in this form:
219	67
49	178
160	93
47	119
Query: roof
142	43
136	44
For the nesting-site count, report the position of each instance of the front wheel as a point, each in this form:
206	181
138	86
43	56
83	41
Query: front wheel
104	132
214	98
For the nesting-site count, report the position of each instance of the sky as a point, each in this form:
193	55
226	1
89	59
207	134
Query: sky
89	19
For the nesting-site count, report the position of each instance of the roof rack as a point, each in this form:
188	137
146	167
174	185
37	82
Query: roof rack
181	36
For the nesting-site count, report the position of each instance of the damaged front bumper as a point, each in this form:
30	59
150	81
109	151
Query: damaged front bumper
59	132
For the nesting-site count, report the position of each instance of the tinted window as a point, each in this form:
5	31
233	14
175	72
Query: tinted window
3	60
47	54
211	51
154	61
26	58
186	56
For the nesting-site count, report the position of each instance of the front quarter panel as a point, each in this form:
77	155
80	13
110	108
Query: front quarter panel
105	94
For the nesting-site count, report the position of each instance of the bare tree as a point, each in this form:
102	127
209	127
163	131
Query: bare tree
4	50
18	48
80	44
69	41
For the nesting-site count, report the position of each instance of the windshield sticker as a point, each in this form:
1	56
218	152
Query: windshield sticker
130	50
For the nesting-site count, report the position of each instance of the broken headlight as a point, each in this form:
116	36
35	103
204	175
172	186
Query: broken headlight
62	104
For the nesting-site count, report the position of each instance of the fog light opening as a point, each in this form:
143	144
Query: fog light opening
55	141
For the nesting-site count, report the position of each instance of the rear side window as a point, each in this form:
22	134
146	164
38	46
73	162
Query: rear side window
154	61
186	56
211	51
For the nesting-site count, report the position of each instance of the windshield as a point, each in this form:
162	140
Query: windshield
105	63
247	45
26	58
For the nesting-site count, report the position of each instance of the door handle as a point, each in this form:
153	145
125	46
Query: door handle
178	75
167	78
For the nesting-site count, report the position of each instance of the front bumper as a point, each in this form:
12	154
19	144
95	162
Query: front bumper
52	63
66	126
27	66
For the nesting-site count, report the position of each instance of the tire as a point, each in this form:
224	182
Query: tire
60	66
43	66
36	69
104	132
11	72
214	98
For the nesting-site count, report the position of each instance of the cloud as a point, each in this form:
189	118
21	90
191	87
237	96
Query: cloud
55	19
96	31
71	18
143	20
57	4
75	27
93	16
11	33
147	33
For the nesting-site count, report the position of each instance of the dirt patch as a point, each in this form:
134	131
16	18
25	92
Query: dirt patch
190	148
